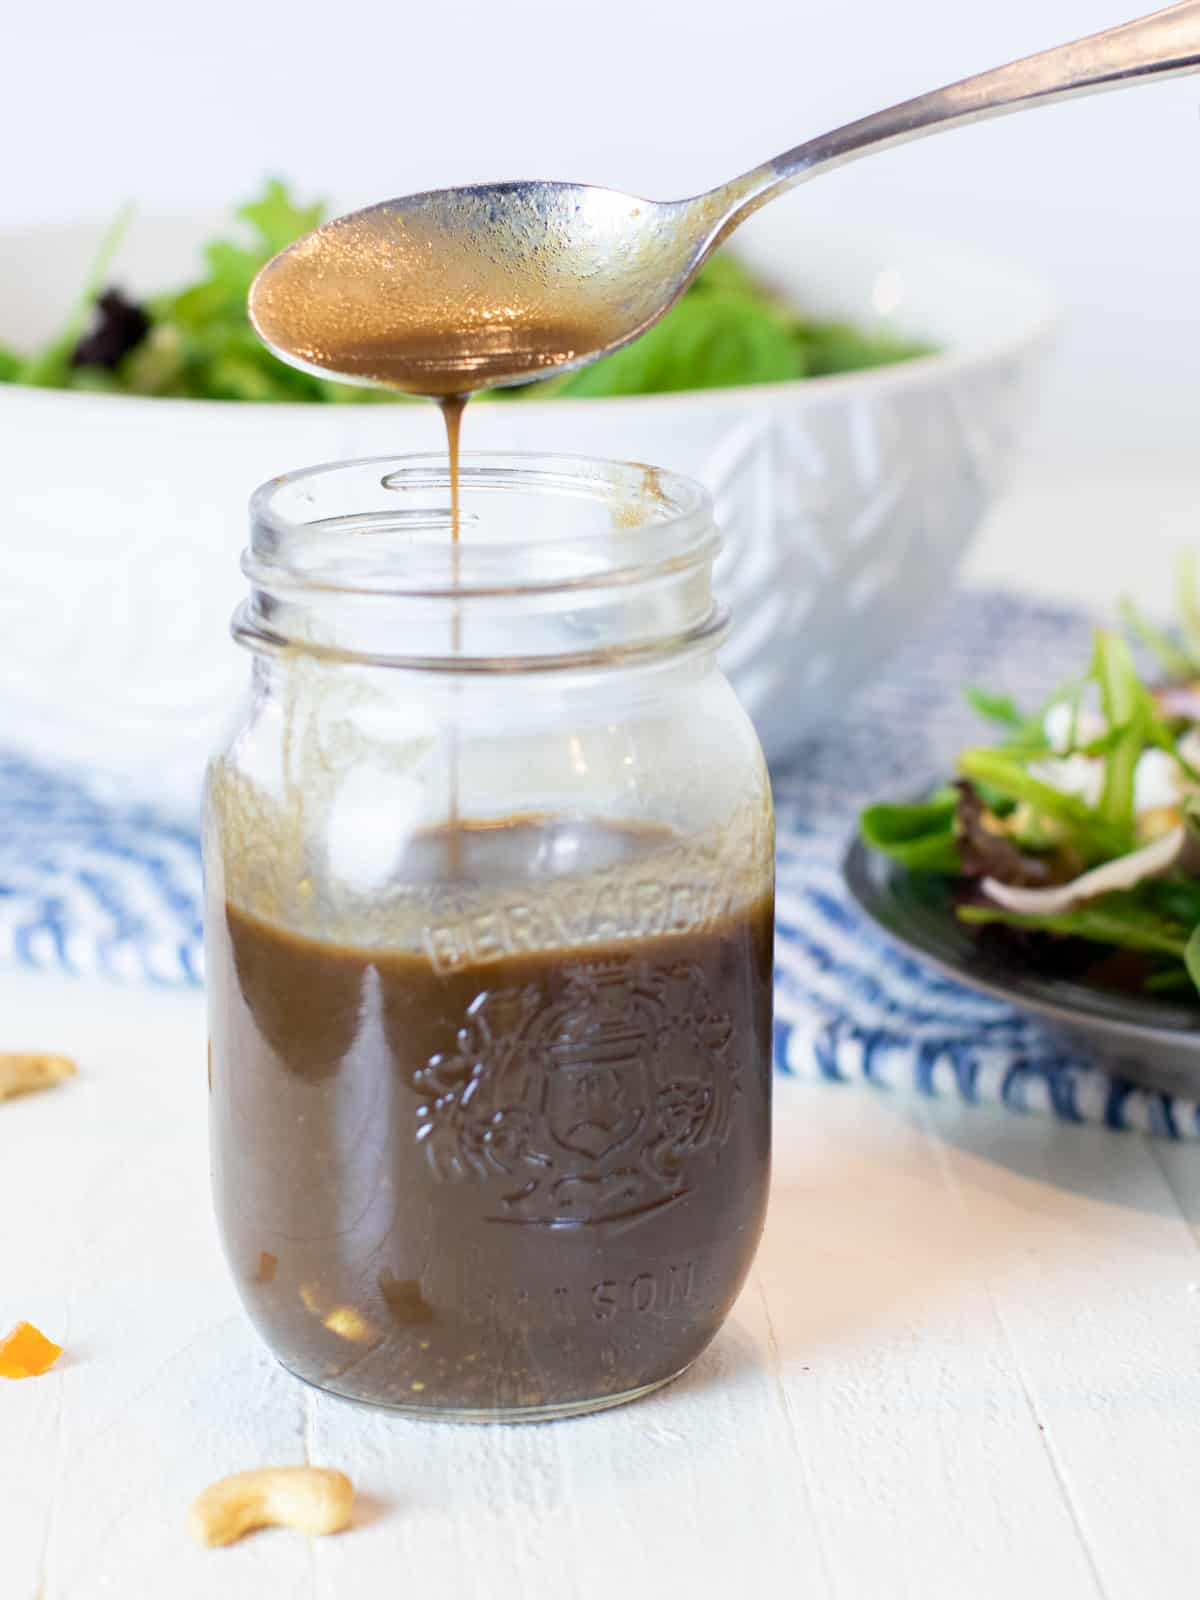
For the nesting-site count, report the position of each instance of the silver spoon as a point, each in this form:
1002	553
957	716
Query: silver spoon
462	289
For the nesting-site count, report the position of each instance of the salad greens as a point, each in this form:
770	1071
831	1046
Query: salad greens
1075	836
196	343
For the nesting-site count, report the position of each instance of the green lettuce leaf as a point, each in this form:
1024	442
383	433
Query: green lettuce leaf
919	837
1124	703
1094	836
1115	919
827	348
999	708
715	339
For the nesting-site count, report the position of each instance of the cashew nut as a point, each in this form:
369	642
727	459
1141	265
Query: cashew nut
22	1073
313	1500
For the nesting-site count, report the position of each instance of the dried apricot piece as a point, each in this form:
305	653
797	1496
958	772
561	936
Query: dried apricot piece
26	1352
404	1301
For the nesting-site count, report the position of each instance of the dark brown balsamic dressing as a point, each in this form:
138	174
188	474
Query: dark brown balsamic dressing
527	1179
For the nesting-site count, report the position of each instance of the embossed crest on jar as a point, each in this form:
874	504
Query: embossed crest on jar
577	1114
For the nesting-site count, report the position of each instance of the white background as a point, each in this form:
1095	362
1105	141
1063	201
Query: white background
175	105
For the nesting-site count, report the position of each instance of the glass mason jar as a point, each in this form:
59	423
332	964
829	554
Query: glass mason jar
489	860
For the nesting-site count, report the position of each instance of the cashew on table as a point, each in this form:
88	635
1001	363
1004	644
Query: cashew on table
313	1500
21	1072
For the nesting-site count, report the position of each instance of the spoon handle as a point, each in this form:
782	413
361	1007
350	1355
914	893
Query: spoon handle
1165	44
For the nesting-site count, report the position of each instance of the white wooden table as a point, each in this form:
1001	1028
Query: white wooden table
967	1365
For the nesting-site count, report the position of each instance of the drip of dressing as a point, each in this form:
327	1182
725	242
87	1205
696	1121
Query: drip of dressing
452	407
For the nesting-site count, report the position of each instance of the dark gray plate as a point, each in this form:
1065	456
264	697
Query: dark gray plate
1150	1041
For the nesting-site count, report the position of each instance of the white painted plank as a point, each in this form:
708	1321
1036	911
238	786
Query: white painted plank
929	1475
163	1386
692	1491
1092	1270
35	1213
1180	1167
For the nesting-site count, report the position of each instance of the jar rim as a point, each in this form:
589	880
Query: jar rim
562	561
674	511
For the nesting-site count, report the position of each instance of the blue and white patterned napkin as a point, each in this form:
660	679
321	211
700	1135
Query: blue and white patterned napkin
90	887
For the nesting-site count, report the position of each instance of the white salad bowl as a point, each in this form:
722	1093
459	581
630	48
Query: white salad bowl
845	502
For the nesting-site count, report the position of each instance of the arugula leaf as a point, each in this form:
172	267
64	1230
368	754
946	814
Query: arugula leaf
277	220
1177	899
920	837
831	347
712	340
1096	837
201	345
1124	703
1168	979
1108	742
999	708
726	331
726	274
1160	917
1000	805
1115	919
1159	735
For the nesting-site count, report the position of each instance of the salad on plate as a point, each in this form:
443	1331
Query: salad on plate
1072	839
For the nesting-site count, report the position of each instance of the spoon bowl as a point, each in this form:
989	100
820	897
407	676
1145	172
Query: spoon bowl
462	289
